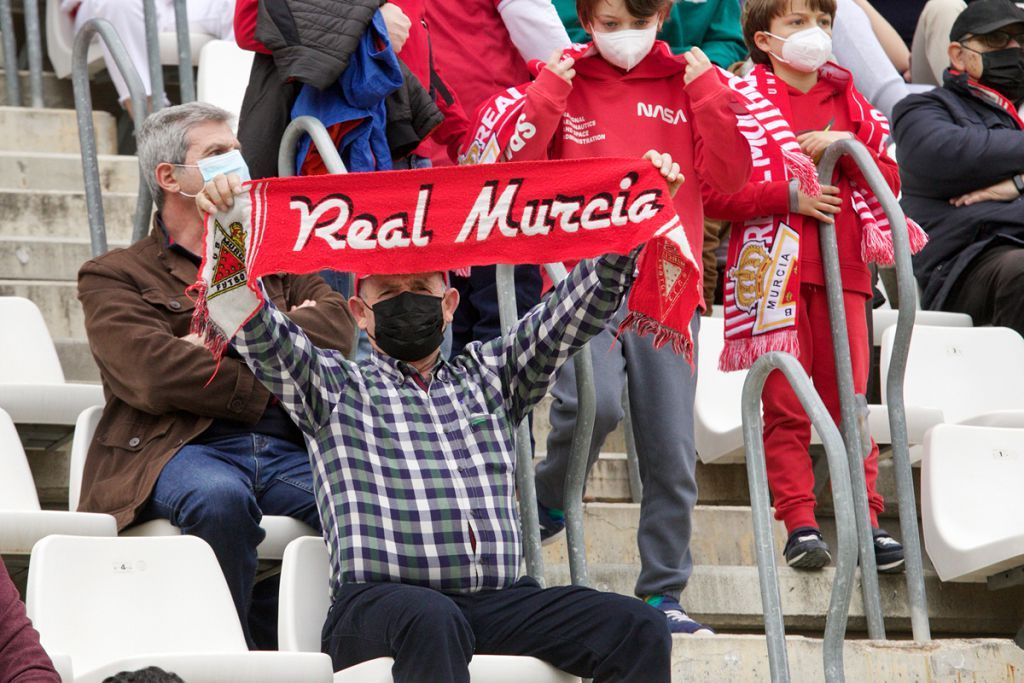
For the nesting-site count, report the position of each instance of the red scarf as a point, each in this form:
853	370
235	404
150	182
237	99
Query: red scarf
762	286
445	218
990	96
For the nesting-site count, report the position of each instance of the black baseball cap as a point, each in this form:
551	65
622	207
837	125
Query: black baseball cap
985	16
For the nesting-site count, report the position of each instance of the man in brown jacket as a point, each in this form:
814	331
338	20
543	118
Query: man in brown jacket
207	448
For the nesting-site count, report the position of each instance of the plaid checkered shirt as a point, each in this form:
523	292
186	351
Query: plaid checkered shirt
417	485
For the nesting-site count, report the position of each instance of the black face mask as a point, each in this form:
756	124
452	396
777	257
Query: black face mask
1003	71
409	326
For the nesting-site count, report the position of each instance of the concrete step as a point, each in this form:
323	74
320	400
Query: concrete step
48	171
44	258
52	130
76	360
56	299
57	92
728	598
58	213
744	659
721	535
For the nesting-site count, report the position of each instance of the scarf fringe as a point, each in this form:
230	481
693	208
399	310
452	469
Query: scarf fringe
876	246
213	338
740	354
803	169
642	325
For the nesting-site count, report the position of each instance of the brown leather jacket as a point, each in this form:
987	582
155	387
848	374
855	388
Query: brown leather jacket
136	312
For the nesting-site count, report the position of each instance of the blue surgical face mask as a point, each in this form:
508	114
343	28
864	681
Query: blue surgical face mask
229	162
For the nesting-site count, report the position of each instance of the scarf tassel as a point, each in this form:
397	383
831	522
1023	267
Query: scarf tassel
641	325
876	246
803	169
740	354
201	325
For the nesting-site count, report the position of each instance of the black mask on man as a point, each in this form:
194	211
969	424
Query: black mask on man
409	326
1003	71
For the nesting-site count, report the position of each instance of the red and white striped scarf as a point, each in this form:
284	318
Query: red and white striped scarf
762	286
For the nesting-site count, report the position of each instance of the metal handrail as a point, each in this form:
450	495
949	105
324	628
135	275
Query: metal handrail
852	405
906	285
314	128
579	452
846	525
184	38
34	42
10	48
87	134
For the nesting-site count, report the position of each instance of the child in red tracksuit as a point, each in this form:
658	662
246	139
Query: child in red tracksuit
790	42
622	95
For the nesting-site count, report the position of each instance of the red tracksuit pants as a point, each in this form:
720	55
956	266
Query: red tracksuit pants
787	429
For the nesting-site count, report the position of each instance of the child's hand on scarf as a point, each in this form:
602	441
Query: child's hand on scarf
669	169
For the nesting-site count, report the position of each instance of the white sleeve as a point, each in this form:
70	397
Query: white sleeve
855	47
534	27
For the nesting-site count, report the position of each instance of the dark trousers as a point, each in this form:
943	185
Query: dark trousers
432	635
991	288
476	318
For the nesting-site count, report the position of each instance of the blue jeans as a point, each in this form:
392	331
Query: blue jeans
219	491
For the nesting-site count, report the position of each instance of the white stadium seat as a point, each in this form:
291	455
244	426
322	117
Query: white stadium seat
718	418
972	510
305	600
116	604
884	318
969	373
280	530
60	37
22	521
223	75
32	386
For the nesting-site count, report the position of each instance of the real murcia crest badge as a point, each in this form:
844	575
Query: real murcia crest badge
229	267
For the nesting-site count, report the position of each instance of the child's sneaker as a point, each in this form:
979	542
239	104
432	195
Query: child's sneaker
888	553
678	620
806	549
552	523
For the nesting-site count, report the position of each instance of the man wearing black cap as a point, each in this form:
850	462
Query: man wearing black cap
961	155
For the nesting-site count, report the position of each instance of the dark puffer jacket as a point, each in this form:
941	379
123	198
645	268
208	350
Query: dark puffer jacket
949	143
311	42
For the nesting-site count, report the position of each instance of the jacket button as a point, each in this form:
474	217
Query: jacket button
235	404
134	441
175	305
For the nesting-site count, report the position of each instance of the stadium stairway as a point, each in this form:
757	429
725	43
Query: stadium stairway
44	238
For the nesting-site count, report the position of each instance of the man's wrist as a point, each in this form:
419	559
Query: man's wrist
1018	182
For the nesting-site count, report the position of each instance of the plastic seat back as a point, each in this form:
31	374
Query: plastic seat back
963	371
305	595
85	428
717	409
223	75
971	508
17	487
26	348
100	600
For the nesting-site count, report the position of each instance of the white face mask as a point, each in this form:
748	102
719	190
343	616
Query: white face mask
805	50
625	49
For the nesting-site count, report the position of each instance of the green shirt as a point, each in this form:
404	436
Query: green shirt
712	25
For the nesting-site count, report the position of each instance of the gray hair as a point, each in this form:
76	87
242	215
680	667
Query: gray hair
164	137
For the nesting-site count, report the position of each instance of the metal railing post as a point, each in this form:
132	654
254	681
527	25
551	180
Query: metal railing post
34	41
579	453
850	403
314	128
636	486
87	134
156	69
10	54
906	285
764	546
507	315
185	76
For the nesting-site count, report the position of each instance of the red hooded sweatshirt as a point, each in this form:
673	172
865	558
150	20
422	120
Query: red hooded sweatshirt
823	106
607	111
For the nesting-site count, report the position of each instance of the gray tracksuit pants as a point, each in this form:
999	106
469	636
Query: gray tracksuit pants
661	390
